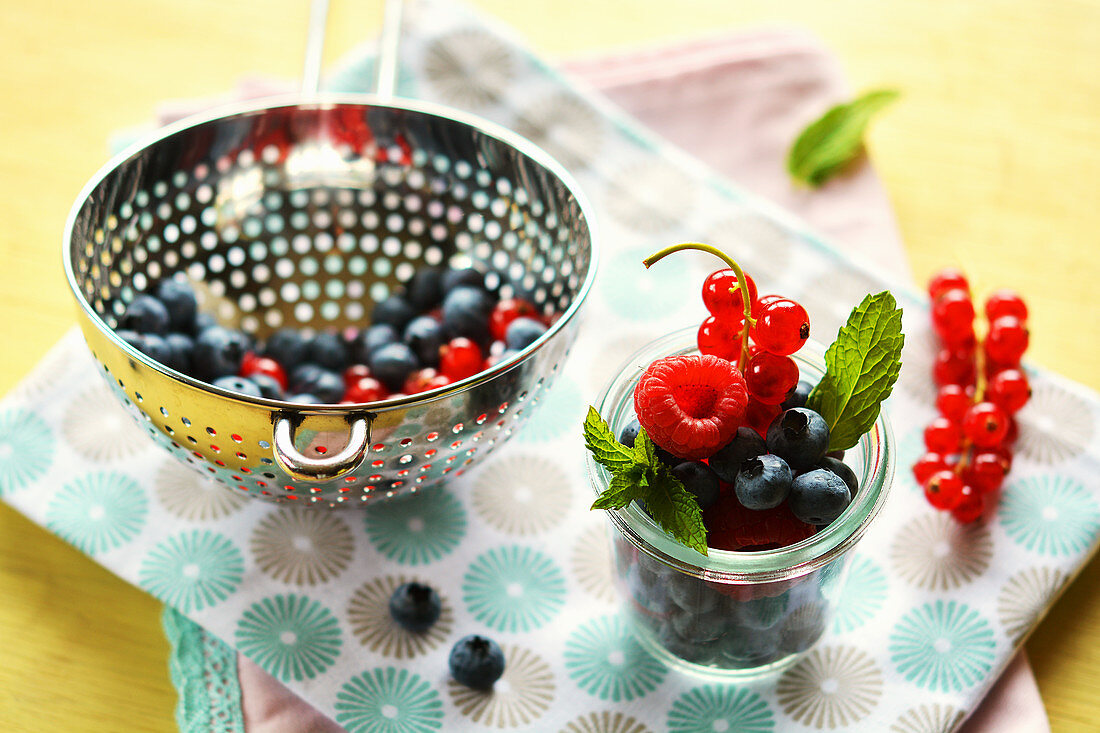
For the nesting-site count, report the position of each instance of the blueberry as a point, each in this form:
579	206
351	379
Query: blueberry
415	606
701	627
218	352
466	313
818	496
313	379
522	332
727	460
269	386
328	350
842	469
286	346
371	340
155	347
700	481
629	434
202	322
304	398
424	290
182	347
424	335
476	662
145	314
392	364
762	613
799	436
179	299
750	648
802	628
763	482
797	398
692	594
394	311
462	277
243	385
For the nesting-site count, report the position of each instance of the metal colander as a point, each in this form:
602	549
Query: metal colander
306	214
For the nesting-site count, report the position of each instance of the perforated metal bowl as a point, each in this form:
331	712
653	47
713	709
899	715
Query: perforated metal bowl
305	215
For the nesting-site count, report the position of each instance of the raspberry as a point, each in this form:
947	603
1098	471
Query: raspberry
730	526
691	405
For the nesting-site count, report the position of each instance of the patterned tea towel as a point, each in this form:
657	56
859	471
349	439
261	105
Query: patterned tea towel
933	614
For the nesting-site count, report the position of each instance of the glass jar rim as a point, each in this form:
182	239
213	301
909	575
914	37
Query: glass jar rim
727	566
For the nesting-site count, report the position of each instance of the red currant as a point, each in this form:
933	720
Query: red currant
953	367
770	377
782	326
1009	390
944	490
355	372
423	380
985	424
947	279
723	297
953	315
506	311
365	389
953	400
1005	303
970	507
460	358
942	435
1006	341
928	464
253	364
718	338
986	472
759	416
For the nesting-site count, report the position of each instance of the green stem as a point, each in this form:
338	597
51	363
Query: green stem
742	285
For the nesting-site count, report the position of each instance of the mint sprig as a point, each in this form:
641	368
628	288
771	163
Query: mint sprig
861	368
638	475
835	139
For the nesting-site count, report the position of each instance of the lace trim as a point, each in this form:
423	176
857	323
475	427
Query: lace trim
204	671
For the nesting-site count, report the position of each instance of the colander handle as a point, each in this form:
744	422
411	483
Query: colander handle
305	468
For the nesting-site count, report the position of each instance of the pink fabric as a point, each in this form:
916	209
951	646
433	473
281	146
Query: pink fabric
736	102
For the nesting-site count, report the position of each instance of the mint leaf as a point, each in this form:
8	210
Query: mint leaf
861	368
638	475
601	442
835	139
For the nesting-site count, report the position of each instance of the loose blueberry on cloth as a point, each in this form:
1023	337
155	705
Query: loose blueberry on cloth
934	610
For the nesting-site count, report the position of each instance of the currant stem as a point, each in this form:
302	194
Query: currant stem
742	285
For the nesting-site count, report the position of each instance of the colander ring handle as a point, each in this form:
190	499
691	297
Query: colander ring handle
305	468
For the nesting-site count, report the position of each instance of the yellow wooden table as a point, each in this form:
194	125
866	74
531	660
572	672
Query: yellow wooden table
991	160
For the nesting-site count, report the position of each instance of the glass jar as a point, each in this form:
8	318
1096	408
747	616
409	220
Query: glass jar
735	614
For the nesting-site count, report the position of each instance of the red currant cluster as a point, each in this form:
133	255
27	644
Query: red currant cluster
776	328
981	386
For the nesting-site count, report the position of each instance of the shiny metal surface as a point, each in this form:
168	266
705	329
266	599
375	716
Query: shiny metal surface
305	214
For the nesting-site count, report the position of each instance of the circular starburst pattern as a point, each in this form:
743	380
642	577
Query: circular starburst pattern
417	529
1025	597
185	493
192	570
98	428
934	552
98	511
469	68
521	696
26	449
302	546
1055	425
522	494
374	627
590	562
714	707
1051	515
57	367
944	645
565	126
292	636
918	355
605	721
558	411
832	687
934	718
863	597
388	700
513	588
605	660
610	354
650	195
644	299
